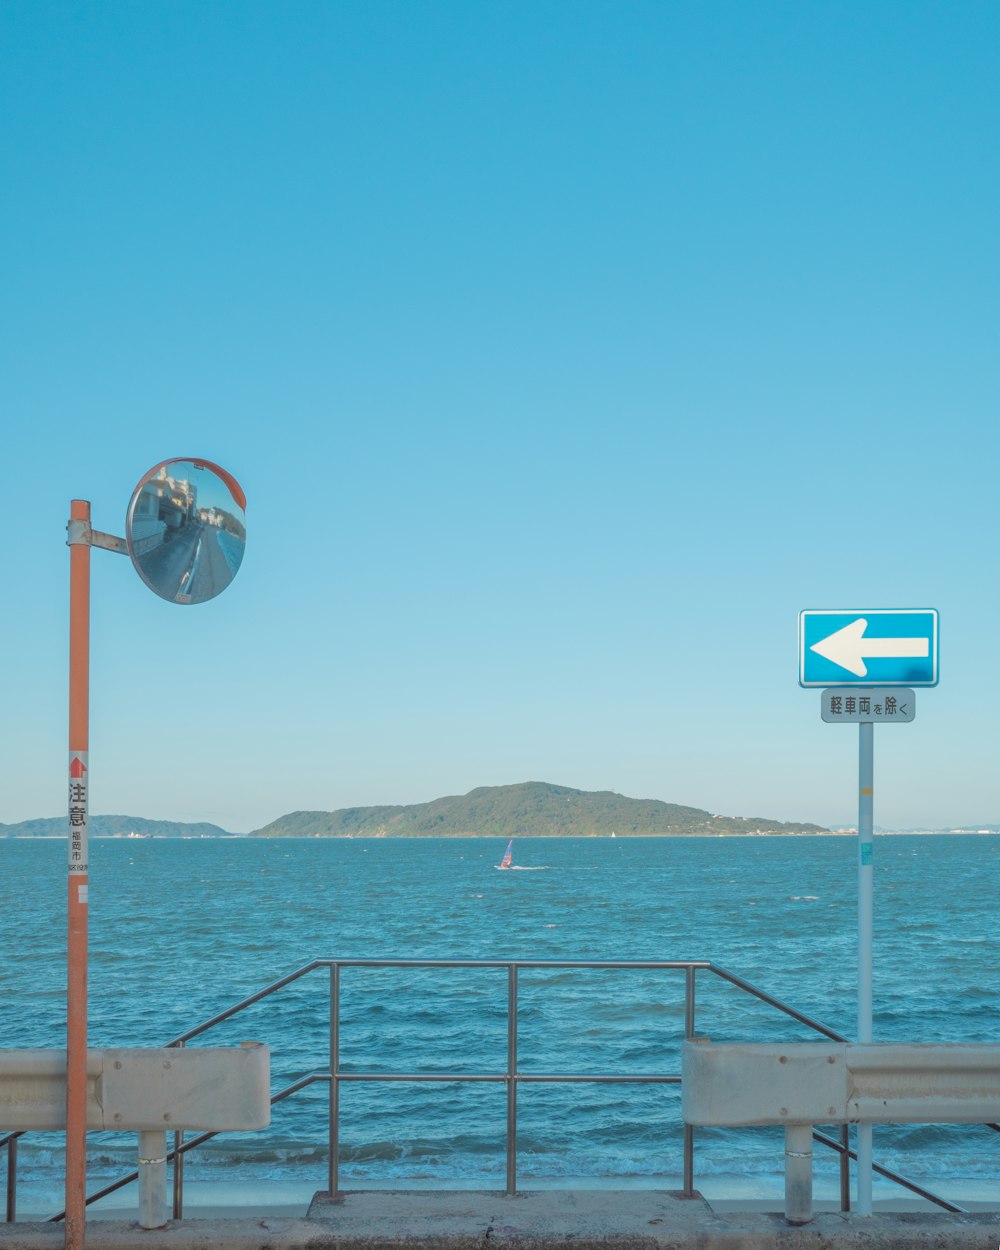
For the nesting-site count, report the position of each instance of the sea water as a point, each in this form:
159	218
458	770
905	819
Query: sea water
181	929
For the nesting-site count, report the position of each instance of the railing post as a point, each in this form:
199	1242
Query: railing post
845	1168
12	1180
511	1080
178	1172
689	972
333	1178
152	1179
798	1173
178	1176
689	1012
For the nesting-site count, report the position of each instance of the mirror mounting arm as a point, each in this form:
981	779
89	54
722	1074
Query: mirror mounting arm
80	532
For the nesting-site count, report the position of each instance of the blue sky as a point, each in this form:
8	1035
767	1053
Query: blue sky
565	351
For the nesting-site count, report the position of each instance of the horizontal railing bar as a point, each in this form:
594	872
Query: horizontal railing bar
515	963
415	1076
528	1077
890	1175
771	1001
618	1079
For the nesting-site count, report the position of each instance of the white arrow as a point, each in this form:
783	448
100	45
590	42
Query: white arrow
849	649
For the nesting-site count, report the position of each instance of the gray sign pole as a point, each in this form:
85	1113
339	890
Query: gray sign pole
866	770
901	647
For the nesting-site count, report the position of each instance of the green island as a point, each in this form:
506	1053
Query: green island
532	808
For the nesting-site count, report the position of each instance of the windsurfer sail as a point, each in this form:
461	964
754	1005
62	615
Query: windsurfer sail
507	856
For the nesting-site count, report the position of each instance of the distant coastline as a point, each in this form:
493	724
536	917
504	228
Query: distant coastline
486	837
532	809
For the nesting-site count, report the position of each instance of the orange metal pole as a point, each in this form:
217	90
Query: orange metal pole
76	996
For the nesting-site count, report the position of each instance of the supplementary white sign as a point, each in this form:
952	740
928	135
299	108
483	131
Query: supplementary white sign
847	705
78	812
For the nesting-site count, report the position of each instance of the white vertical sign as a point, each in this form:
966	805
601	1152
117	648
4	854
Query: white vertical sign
77	845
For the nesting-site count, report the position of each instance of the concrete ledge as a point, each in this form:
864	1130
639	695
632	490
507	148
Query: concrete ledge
544	1219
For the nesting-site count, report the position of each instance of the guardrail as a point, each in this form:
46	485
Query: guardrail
141	1090
335	1075
797	1085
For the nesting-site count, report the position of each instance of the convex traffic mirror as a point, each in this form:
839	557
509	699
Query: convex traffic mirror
186	529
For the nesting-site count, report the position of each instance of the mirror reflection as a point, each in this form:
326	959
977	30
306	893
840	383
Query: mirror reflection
186	530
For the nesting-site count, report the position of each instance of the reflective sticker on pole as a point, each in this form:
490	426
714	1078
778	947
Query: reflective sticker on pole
78	812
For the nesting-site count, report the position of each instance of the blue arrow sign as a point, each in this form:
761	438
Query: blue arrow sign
868	647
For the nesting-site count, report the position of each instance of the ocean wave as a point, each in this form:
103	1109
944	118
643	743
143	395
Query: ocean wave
616	1152
663	898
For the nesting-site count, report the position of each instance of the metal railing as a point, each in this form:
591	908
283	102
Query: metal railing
509	1075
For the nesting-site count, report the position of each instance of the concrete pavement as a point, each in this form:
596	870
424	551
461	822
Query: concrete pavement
541	1219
